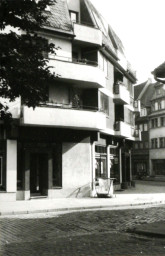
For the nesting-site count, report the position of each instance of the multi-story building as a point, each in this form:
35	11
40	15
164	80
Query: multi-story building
140	152
86	128
157	131
149	153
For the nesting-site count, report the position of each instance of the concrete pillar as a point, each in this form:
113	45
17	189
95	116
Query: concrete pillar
120	164
11	166
26	173
50	171
93	191
108	162
130	165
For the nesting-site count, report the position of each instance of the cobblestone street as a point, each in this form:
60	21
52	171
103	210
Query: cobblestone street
81	233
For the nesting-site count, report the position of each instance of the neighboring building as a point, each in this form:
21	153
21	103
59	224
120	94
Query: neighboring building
140	153
86	128
149	154
157	131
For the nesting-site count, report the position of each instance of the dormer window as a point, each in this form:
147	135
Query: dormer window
73	16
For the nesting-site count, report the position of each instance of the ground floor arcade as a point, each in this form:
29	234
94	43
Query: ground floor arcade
54	163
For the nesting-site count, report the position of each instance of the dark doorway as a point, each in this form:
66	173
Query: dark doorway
38	174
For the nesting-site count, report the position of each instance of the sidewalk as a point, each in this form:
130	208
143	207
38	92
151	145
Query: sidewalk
142	194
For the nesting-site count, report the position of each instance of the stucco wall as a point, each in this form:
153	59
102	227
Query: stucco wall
76	164
158	132
157	153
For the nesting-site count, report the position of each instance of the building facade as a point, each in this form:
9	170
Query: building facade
157	132
86	128
149	153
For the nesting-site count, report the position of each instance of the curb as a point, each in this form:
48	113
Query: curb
112	207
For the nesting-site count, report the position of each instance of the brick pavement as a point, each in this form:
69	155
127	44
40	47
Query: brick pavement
80	233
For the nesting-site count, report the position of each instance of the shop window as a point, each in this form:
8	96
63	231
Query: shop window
101	162
158	166
114	164
1	170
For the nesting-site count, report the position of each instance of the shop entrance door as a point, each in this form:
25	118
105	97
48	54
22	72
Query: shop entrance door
38	174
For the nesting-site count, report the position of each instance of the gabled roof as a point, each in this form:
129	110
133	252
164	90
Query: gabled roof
146	97
138	89
100	23
58	17
144	93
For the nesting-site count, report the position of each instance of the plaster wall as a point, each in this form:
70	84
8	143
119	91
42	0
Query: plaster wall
157	153
76	164
157	132
65	48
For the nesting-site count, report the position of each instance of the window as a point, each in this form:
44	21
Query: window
141	145
160	105
154	143
73	16
1	170
145	127
162	121
154	123
141	127
146	144
136	146
103	64
162	142
143	112
104	103
156	105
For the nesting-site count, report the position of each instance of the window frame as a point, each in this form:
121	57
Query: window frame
77	16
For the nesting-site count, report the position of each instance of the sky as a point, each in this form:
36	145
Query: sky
140	24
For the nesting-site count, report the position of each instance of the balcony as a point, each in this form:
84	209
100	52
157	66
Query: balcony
48	115
87	34
126	130
121	94
81	73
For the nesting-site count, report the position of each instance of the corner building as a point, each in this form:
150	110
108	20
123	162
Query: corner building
86	128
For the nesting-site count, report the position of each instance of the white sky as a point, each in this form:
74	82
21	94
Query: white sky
140	24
